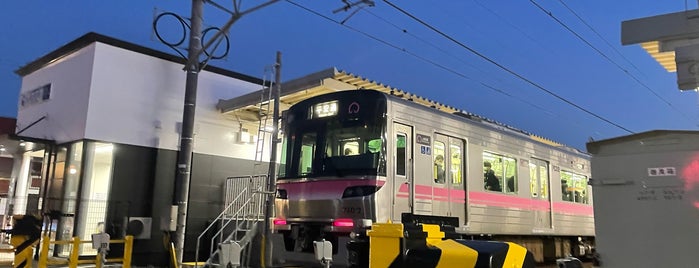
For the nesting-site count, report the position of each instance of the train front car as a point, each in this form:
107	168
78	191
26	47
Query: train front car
333	168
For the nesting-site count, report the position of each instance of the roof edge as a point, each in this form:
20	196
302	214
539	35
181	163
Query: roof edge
92	37
288	87
593	146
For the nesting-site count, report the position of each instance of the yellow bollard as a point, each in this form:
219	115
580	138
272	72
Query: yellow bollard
74	253
98	260
128	250
44	253
173	255
385	243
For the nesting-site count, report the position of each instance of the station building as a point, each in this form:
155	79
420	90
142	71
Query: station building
104	116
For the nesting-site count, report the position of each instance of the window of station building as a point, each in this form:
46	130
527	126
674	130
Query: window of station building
308	148
400	154
96	181
455	162
499	171
574	187
439	172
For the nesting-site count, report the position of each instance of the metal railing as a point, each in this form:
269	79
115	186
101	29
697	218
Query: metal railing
73	259
238	220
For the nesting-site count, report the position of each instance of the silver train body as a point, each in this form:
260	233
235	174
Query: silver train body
353	158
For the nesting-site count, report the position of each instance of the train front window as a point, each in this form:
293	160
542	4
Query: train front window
351	147
331	147
308	148
335	135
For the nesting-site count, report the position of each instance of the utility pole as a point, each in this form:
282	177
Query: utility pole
192	67
184	156
272	173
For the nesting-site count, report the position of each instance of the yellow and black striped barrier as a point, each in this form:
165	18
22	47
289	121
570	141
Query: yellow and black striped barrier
23	247
26	232
398	245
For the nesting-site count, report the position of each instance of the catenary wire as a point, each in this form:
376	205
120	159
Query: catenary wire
443	67
550	14
475	52
431	44
532	39
436	64
600	36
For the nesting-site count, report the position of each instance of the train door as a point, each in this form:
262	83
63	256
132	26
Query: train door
457	187
448	193
403	192
540	193
440	176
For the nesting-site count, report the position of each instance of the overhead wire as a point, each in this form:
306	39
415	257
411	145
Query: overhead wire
512	72
431	44
432	62
624	70
436	64
532	39
599	35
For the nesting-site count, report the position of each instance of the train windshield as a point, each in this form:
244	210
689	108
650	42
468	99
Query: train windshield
345	137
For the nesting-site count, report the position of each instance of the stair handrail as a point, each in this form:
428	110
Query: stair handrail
233	218
196	253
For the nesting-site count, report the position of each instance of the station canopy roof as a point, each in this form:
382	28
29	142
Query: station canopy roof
247	107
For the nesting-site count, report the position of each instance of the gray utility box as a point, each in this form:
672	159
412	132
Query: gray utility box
646	190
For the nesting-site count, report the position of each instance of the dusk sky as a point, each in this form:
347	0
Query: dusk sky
620	84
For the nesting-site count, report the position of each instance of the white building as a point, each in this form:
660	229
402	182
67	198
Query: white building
110	113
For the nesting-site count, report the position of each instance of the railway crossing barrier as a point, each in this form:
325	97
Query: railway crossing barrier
399	245
26	232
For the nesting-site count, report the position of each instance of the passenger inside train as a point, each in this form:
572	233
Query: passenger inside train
565	192
439	168
492	183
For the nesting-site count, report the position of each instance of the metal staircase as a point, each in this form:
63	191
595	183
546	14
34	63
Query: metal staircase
239	221
237	224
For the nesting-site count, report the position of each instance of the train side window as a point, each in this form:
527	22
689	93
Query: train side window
510	175
439	172
400	154
543	181
456	159
499	173
574	187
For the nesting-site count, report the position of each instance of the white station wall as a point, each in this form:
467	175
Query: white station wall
110	94
66	110
138	99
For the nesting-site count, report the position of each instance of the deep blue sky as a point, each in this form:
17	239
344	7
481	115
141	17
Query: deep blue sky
516	34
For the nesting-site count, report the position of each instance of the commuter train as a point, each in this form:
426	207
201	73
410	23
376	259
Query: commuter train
353	158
